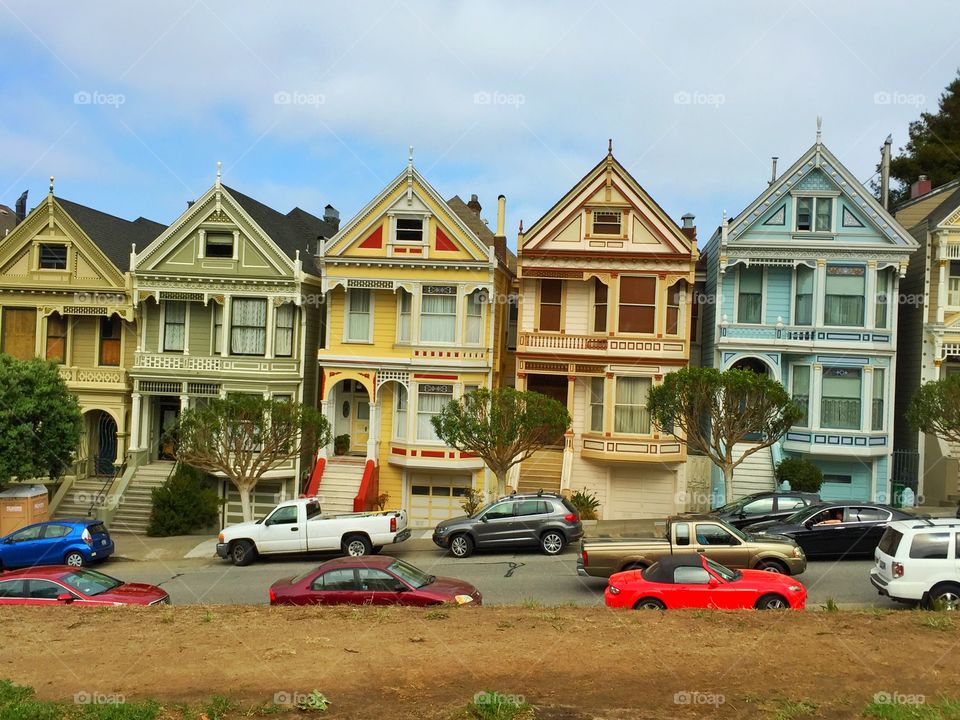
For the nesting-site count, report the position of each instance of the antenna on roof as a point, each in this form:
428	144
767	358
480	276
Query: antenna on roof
819	127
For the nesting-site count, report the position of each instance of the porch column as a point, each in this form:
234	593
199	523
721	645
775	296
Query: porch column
184	403
869	312
143	441
271	315
135	421
942	298
328	408
373	431
521	381
186	327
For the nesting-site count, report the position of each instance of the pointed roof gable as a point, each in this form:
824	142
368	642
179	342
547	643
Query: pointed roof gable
113	235
945	210
819	158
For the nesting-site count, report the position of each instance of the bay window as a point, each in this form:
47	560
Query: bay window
596	404
283	333
844	300
801	392
174	325
637	307
248	326
359	319
841	393
474	325
630	410
431	399
438	314
803	302
750	295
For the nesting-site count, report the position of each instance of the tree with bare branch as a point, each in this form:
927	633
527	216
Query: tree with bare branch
245	436
503	427
935	409
713	411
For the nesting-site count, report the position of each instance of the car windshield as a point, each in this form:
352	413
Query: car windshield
724	572
90	582
411	575
736	531
729	507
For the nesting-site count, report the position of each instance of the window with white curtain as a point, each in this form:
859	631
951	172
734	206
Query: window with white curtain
840	404
431	399
596	404
404	303
474	327
359	320
174	325
438	314
248	326
750	295
801	392
803	303
283	332
844	298
217	328
877	405
630	411
400	412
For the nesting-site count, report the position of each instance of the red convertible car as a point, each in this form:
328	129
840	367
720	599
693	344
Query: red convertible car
371	580
66	585
693	581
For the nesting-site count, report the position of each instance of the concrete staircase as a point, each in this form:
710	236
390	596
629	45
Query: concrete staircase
755	474
340	483
79	498
541	471
133	512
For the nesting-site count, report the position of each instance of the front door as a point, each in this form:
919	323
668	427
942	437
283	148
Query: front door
106	444
360	424
167	444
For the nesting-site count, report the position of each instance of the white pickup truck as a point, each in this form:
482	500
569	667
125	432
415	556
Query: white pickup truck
299	526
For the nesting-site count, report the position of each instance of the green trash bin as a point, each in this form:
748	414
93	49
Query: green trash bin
897	493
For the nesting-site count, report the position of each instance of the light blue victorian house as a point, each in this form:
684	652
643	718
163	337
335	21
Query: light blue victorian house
802	285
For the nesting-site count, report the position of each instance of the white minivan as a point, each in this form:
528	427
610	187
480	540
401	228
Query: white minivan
918	561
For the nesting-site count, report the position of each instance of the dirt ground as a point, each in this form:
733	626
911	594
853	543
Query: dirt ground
568	662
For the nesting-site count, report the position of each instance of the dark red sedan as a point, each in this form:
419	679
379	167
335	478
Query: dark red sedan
371	580
65	585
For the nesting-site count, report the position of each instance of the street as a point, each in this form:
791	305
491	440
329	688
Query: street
503	578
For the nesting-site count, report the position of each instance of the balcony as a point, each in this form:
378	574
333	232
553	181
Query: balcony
214	364
656	450
549	343
803	336
94	378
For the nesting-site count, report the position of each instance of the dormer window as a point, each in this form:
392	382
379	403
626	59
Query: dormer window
219	245
606	222
53	256
409	229
814	214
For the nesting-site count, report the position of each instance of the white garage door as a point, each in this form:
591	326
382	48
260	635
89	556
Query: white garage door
640	492
264	498
435	497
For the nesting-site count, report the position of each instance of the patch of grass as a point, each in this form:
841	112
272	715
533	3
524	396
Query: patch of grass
530	604
167	617
217	707
945	709
504	625
490	705
146	710
316	701
266	709
17	702
436	615
831	606
790	709
207	616
554	619
936	621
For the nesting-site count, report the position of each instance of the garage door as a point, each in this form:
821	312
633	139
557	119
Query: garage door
435	497
263	499
639	492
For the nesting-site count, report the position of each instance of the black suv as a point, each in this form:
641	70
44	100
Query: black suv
764	506
528	519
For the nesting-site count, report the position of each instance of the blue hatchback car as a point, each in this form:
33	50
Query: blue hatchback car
57	542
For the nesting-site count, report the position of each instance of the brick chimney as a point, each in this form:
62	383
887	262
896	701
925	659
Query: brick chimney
921	187
688	228
500	238
474	204
332	217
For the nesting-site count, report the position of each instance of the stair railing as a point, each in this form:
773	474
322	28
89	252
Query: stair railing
99	498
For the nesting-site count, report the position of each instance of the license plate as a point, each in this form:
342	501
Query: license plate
103	542
881	564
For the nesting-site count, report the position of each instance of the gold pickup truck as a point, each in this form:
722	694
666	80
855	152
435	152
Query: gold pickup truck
604	556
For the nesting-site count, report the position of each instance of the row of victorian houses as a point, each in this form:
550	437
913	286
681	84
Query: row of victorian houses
415	301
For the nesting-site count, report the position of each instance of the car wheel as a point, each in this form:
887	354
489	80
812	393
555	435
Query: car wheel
772	602
552	542
74	559
356	546
376	549
944	597
773	566
649	604
461	546
243	553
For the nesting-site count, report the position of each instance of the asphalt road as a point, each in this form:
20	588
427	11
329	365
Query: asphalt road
503	578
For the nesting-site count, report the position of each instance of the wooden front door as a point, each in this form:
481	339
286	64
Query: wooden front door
169	415
19	333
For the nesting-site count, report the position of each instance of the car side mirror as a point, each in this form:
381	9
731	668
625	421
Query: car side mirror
400	587
712	582
483	518
65	598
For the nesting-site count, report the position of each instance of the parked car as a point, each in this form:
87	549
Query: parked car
299	526
918	561
67	542
371	581
689	535
763	506
68	585
539	519
693	581
844	529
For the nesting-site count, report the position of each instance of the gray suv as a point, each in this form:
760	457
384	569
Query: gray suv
539	519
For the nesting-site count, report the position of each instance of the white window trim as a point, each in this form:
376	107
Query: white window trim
416	413
795	285
424	224
409	341
681	309
763	296
613	400
618	211
346	317
483	316
829	195
593	306
457	317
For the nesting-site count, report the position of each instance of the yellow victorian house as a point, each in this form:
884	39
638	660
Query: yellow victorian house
65	296
606	280
416	293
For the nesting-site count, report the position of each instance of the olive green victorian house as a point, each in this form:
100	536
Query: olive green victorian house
228	301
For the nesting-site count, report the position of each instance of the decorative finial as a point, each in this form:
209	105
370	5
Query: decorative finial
610	146
819	126
410	156
51	184
521	227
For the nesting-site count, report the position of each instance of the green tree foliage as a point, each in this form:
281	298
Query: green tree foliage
245	436
40	421
935	408
934	146
713	411
187	501
801	474
503	427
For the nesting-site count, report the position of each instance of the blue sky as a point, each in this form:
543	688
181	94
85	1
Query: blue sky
131	105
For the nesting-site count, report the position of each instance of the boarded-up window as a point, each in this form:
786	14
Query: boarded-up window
551	298
110	341
19	333
638	304
57	338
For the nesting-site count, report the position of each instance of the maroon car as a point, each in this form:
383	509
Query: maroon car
371	580
65	585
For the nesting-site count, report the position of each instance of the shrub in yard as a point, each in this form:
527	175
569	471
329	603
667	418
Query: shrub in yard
471	501
185	502
802	475
586	504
